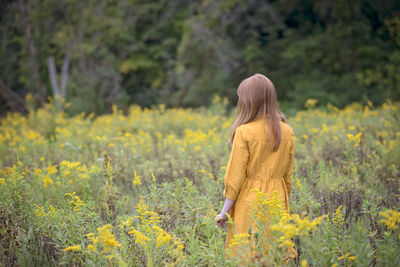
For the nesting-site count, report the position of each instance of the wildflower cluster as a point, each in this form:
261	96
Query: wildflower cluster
355	138
75	200
273	231
104	240
146	217
347	256
338	218
140	238
287	226
391	219
241	238
41	212
291	226
310	103
73	248
136	179
102	244
74	170
149	235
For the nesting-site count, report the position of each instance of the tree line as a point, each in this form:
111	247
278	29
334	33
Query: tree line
182	53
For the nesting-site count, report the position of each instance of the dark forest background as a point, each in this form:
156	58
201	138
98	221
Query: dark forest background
98	53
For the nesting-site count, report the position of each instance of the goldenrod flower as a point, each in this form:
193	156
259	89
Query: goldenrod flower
51	169
73	248
37	171
39	211
162	236
311	102
391	219
136	179
76	201
51	209
140	237
47	181
125	224
338	218
22	148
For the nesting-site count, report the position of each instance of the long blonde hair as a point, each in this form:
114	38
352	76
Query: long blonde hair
257	98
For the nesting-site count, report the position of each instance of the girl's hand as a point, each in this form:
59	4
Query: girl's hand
220	220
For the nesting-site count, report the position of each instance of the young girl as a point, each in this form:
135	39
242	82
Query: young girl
261	157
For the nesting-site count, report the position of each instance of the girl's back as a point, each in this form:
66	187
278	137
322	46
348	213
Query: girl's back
262	168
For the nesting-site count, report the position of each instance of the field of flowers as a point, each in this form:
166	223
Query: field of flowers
142	188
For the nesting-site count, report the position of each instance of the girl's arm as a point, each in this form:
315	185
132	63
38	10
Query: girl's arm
235	174
288	177
222	218
227	207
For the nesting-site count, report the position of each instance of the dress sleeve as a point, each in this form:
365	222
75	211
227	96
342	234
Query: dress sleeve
235	174
289	172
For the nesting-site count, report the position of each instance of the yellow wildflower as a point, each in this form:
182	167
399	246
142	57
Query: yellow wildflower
242	238
110	257
140	237
136	179
338	218
162	237
37	171
51	169
391	219
310	103
105	238
39	211
298	183
126	223
69	164
344	256
73	248
324	128
51	209
76	201
47	181
355	138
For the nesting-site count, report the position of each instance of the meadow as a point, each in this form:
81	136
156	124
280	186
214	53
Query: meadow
142	188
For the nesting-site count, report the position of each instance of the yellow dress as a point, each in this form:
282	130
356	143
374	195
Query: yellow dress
253	165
